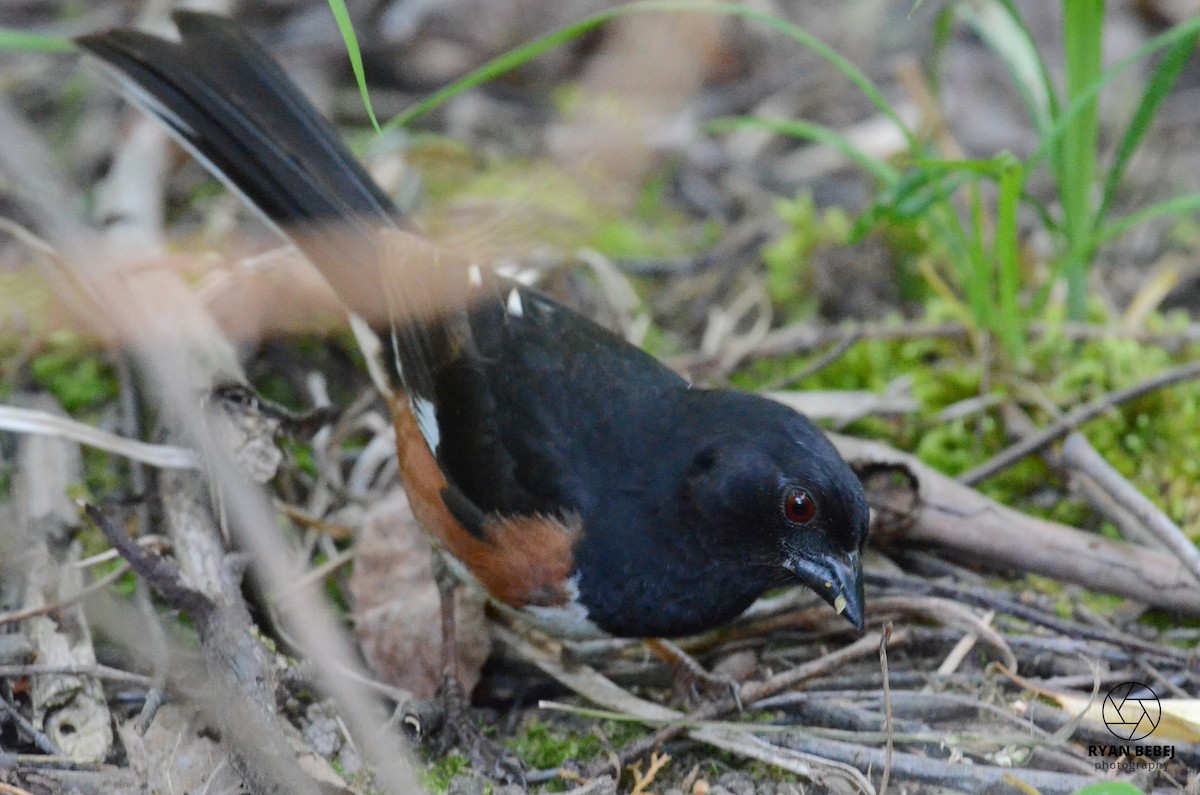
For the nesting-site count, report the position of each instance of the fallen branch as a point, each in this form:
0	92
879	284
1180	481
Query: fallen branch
935	511
71	711
242	678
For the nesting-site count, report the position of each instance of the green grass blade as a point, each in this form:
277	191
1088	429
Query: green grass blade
22	41
342	16
1159	85
1087	96
1180	205
1109	788
812	132
1048	144
1043	73
1010	322
1083	36
522	55
1003	30
939	165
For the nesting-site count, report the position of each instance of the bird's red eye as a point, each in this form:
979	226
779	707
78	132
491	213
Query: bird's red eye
799	507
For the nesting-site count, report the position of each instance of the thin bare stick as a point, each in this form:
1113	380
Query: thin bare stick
158	544
963	648
756	691
806	337
314	575
83	593
827	358
1072	420
997	601
94	671
44	743
887	707
1079	454
22	420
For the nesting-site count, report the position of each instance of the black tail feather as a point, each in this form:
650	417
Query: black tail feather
234	106
226	99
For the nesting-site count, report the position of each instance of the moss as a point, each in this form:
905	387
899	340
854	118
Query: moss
1153	441
437	776
543	746
299	454
78	377
788	257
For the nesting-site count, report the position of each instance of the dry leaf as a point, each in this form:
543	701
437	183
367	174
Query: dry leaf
397	614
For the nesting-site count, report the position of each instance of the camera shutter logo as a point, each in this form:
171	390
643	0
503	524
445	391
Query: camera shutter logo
1131	711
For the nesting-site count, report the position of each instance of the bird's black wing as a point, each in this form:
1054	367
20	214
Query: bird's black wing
547	409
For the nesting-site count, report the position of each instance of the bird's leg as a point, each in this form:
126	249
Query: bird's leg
690	676
457	726
457	723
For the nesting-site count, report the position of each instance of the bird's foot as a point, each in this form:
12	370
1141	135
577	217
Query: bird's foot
697	688
444	724
693	683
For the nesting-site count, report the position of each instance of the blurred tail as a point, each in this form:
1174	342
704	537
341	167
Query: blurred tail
233	106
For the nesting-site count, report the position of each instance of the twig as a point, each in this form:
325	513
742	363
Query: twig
44	743
887	707
803	338
809	764
157	543
941	772
314	575
160	654
12	789
1018	425
1073	419
1079	454
830	356
78	596
94	671
756	691
160	573
949	612
907	702
991	599
338	532
963	648
22	420
48	761
1170	686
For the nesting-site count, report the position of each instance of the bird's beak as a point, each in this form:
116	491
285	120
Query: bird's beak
837	578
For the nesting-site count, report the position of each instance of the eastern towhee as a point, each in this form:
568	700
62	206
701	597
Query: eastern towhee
578	479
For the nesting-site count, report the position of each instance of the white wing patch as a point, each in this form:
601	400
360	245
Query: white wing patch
475	276
426	415
514	307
